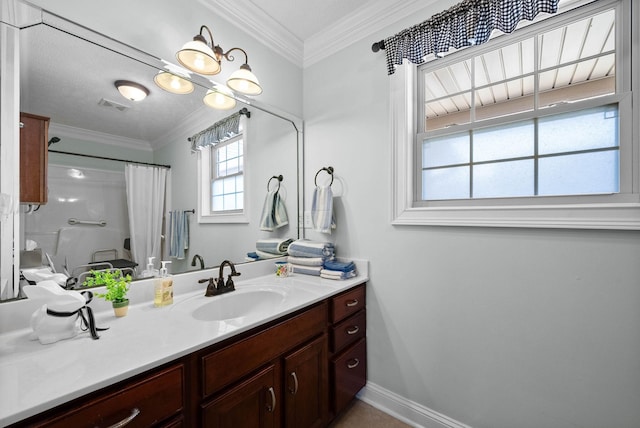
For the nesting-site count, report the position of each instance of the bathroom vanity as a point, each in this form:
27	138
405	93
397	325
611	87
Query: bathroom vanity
298	367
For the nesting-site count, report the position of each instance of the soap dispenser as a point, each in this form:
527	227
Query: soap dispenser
150	272
164	287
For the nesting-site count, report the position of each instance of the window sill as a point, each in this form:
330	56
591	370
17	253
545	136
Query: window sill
234	218
600	216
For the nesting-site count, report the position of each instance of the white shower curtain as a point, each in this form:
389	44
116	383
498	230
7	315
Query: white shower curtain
145	201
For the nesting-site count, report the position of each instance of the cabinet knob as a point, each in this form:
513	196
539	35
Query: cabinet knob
135	412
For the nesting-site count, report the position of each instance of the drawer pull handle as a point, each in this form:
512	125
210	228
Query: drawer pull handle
272	406
353	330
354	364
135	412
294	390
353	303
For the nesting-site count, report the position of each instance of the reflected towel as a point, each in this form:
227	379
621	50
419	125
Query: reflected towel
265	255
178	234
322	209
274	212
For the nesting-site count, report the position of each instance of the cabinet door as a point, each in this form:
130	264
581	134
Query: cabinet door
305	385
252	403
33	158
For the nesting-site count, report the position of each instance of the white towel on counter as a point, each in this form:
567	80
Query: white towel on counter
322	209
306	261
274	212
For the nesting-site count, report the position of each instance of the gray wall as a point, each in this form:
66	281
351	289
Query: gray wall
492	327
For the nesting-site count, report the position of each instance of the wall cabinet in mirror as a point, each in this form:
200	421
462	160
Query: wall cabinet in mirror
34	134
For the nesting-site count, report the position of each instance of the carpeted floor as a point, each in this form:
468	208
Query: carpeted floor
361	415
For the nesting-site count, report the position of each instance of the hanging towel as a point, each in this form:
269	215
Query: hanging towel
274	212
178	234
322	209
274	245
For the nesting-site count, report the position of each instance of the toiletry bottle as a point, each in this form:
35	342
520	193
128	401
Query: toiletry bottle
150	272
163	287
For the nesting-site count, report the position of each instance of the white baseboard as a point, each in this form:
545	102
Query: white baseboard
407	411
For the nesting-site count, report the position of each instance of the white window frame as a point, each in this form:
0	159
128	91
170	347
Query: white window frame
205	215
615	213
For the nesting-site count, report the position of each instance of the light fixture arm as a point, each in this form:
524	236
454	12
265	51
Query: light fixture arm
201	38
230	58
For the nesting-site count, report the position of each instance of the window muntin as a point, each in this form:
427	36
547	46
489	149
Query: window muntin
498	155
227	176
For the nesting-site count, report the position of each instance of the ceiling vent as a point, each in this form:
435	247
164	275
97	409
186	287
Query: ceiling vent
112	104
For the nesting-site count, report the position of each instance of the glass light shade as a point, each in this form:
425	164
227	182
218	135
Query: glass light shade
245	82
172	83
131	90
199	58
218	99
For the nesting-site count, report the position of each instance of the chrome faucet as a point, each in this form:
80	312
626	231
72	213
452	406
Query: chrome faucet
217	285
198	257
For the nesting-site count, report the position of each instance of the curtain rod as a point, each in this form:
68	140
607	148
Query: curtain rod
106	158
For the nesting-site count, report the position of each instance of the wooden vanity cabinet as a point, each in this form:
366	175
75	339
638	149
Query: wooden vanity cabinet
34	134
153	400
348	347
297	371
288	389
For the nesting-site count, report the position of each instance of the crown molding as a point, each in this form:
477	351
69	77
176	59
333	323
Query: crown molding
345	31
244	14
64	131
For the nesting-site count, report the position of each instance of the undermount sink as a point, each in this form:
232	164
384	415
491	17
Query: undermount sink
238	304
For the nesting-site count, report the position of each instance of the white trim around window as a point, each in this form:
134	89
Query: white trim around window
403	211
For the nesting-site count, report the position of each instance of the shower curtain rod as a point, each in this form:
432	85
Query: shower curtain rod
106	158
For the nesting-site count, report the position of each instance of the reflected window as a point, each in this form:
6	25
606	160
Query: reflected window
227	175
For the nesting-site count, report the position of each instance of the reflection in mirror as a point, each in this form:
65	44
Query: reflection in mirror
71	80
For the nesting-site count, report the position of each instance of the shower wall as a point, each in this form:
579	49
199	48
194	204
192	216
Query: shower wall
84	194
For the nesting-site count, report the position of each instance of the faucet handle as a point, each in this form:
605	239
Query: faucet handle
212	286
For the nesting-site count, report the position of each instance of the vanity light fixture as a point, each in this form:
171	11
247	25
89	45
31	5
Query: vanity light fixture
173	83
131	90
219	98
204	57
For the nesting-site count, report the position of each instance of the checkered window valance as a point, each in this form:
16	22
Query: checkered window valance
470	22
220	131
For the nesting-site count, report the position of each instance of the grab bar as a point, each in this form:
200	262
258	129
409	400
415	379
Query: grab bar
101	223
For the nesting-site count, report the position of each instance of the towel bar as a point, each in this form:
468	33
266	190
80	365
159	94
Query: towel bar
277	177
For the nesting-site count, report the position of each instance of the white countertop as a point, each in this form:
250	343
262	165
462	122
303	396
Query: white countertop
36	377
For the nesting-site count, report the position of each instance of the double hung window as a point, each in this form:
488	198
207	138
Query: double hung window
526	129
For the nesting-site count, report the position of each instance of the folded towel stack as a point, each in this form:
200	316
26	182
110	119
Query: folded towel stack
338	270
307	257
270	248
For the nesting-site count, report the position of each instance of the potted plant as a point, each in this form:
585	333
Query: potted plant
116	286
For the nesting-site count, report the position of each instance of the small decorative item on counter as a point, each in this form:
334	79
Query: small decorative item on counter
283	269
116	286
164	287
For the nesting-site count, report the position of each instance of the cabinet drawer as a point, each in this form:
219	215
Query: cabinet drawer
221	368
349	374
348	331
347	303
154	398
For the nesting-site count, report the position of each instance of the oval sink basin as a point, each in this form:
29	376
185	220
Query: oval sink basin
238	304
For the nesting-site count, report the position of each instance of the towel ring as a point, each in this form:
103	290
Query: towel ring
277	177
329	170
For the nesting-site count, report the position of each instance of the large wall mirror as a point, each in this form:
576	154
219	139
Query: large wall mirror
67	73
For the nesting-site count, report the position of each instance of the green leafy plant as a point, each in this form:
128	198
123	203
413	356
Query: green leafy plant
115	283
